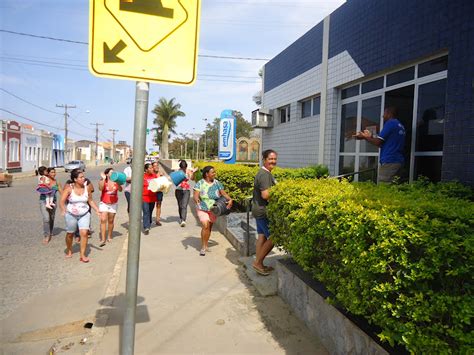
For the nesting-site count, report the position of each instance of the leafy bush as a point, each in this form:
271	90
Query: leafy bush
238	179
401	256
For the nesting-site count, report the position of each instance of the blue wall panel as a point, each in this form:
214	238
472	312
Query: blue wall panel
302	55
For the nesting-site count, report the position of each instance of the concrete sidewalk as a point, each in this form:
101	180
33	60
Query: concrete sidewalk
193	304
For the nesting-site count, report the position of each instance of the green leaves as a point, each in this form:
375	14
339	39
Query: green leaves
401	256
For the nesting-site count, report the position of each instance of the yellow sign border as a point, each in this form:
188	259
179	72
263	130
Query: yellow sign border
129	77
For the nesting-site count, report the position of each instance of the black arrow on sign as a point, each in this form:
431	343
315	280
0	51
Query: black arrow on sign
110	55
147	7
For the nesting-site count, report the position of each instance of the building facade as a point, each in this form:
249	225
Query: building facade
369	54
10	146
32	150
57	158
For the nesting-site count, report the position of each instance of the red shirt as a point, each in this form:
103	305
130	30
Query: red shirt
148	196
109	194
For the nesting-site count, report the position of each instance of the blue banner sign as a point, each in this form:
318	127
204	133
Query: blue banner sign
227	137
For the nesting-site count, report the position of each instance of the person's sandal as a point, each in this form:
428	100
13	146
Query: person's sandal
84	260
102	244
202	252
259	271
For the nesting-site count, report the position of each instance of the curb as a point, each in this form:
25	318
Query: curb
100	323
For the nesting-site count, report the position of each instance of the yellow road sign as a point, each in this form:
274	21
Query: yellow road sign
146	40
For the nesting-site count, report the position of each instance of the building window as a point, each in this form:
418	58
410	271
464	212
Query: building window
30	153
372	85
350	92
401	76
25	157
421	109
306	108
348	127
284	113
433	66
316	105
311	107
14	151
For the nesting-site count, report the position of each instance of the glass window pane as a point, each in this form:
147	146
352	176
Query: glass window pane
429	167
366	163
430	116
306	108
348	127
349	92
433	66
372	85
283	114
370	120
401	76
316	105
346	165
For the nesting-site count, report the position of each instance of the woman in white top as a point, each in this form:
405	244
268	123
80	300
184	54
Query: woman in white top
76	213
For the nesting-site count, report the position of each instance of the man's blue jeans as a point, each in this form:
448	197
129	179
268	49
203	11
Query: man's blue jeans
147	214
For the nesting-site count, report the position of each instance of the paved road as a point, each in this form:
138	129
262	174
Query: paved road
29	269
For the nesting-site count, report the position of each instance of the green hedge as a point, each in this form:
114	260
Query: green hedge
238	179
402	257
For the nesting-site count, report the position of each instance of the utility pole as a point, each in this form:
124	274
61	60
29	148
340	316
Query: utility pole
185	147
197	150
96	139
205	138
65	106
113	143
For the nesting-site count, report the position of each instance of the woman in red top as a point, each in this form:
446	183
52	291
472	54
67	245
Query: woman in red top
108	204
149	197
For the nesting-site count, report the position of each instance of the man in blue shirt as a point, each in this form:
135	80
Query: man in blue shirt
391	142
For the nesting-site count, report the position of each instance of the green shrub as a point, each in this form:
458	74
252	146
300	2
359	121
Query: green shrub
238	179
402	257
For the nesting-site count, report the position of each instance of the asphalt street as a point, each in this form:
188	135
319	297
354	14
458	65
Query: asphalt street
30	269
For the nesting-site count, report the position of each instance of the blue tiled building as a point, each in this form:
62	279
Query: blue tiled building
417	55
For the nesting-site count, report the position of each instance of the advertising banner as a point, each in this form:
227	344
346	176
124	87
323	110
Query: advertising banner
227	137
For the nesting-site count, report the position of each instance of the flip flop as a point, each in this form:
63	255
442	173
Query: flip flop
268	268
259	271
102	244
68	256
84	260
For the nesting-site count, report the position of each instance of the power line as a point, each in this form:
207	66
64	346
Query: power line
28	119
79	69
39	123
79	42
43	37
28	102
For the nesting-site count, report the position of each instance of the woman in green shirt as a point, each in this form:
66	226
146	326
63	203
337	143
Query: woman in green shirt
206	192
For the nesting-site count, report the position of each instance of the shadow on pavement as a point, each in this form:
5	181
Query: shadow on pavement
112	313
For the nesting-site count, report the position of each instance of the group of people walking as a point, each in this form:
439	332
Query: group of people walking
76	204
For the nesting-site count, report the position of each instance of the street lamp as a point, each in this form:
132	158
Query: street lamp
205	137
192	137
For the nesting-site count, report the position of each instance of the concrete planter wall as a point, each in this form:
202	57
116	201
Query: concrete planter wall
338	334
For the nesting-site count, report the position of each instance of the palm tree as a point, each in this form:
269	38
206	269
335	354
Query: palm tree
166	113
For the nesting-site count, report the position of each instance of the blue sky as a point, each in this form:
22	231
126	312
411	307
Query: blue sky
46	72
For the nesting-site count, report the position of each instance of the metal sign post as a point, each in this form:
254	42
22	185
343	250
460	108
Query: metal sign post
134	228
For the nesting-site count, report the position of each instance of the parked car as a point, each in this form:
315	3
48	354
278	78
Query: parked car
75	164
5	178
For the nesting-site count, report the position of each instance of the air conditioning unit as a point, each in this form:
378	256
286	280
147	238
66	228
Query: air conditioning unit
261	118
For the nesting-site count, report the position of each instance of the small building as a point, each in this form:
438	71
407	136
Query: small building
31	152
10	146
85	150
337	78
47	148
58	151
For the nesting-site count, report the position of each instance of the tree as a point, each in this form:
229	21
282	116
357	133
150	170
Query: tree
166	113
